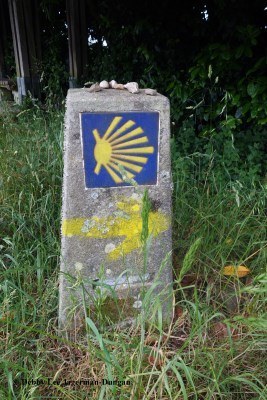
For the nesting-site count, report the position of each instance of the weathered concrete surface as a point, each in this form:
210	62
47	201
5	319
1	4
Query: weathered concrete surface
102	226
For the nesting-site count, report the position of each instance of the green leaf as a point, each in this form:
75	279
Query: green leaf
239	52
189	258
252	89
210	71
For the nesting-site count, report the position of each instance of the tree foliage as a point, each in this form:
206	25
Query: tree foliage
208	56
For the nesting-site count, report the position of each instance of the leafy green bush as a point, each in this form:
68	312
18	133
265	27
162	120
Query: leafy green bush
221	112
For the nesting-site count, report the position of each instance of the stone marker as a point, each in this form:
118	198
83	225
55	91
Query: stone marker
117	145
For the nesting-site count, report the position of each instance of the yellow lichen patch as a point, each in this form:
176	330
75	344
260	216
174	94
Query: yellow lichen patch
128	224
136	207
240	271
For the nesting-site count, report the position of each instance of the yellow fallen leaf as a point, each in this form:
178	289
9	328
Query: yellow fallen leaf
240	271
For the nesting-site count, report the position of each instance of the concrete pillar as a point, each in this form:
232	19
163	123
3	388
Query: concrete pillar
27	48
116	217
77	40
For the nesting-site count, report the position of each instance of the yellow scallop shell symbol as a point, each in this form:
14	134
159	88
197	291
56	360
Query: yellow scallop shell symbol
120	146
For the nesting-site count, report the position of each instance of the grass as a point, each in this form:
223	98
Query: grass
214	346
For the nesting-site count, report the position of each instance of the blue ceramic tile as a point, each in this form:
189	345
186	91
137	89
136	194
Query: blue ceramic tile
118	147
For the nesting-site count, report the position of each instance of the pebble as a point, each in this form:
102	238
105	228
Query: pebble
104	84
112	83
88	84
118	86
94	88
151	92
132	87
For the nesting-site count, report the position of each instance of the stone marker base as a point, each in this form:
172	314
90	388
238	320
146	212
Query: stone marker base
112	302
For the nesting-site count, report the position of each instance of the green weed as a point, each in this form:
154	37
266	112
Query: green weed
214	345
